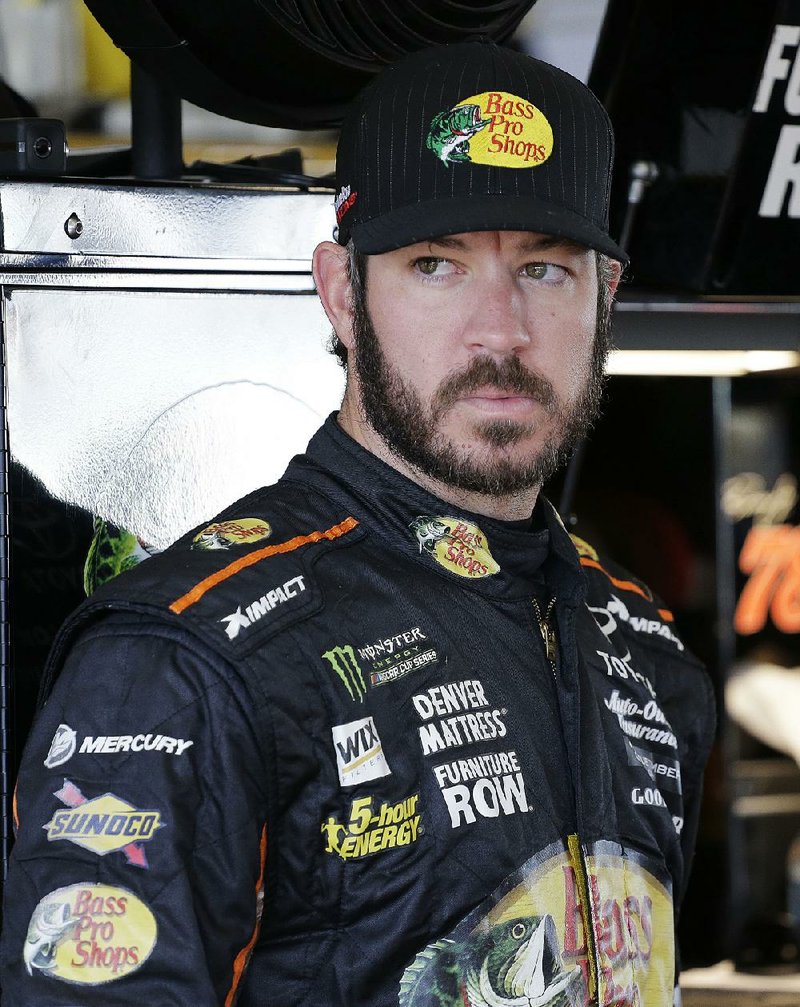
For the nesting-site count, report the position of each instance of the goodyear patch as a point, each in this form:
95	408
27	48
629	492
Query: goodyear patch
459	546
493	127
103	825
373	830
225	534
88	934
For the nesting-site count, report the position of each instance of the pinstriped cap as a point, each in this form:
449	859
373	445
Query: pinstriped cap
473	137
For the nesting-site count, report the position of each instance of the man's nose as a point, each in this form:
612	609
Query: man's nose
498	322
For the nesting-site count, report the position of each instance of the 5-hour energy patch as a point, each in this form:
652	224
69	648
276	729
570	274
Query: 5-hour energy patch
373	830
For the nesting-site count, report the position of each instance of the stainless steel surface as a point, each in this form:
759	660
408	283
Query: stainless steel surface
158	408
117	278
170	221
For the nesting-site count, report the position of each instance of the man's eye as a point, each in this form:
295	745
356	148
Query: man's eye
428	265
547	271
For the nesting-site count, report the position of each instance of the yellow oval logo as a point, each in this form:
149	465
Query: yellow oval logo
89	934
224	534
459	546
495	128
583	548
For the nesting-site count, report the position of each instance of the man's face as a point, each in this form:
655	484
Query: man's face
476	358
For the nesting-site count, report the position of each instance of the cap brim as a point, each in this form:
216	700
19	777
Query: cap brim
437	218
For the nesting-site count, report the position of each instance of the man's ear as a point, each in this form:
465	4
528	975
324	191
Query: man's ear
333	287
615	277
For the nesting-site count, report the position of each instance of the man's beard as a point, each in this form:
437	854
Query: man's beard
394	409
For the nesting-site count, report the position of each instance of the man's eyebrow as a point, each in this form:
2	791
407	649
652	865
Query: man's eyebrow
447	241
532	243
544	242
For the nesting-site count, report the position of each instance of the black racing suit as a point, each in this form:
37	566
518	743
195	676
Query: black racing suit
351	746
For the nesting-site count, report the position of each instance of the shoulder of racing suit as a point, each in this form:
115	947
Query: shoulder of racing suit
644	640
623	604
232	581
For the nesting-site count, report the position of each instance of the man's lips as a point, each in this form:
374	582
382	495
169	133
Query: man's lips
499	400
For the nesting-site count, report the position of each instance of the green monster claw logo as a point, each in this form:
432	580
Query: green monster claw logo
451	132
515	964
344	663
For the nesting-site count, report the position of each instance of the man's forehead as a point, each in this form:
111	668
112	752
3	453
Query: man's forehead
521	241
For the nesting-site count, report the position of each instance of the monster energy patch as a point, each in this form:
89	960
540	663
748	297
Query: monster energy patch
344	663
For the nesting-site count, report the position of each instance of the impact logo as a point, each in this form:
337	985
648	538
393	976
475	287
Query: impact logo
616	611
62	747
359	752
369	831
103	825
239	620
224	534
494	128
458	546
88	934
345	664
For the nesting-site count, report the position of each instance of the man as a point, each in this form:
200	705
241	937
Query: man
383	733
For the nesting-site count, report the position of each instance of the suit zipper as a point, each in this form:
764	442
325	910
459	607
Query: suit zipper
548	631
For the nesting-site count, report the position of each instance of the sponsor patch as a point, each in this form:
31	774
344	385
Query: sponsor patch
643	722
239	620
88	934
225	534
459	546
662	770
583	548
345	199
485	785
111	744
495	128
62	747
345	664
359	752
103	825
531	941
384	660
464	716
369	831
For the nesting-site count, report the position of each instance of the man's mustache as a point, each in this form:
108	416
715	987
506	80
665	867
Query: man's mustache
508	375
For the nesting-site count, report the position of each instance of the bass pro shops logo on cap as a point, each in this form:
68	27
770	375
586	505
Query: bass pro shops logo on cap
494	128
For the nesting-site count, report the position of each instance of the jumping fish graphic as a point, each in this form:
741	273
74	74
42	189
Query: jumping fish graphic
48	925
452	130
516	964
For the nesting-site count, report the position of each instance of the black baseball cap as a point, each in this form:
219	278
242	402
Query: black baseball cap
473	137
